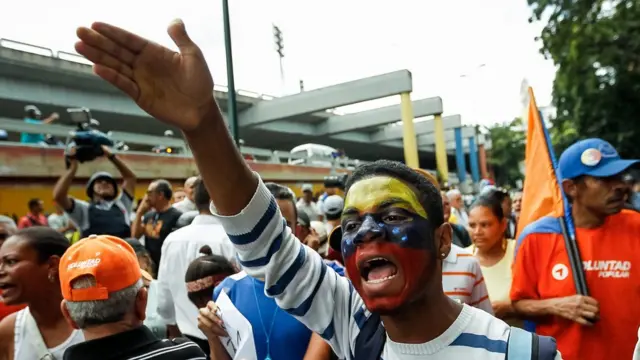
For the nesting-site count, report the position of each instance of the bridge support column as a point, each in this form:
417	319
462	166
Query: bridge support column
460	161
441	149
408	131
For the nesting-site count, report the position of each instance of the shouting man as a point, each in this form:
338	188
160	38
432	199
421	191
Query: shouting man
394	238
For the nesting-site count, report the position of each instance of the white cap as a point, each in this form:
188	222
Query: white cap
333	205
307	187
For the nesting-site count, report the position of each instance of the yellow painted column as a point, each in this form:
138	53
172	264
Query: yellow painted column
408	131
441	149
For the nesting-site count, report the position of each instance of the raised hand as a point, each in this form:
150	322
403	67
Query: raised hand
176	88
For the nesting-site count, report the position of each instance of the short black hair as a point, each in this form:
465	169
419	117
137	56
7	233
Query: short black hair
164	187
282	193
45	241
200	195
428	194
33	203
492	201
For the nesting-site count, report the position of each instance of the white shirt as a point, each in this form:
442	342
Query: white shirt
180	248
185	205
311	209
462	279
461	216
58	221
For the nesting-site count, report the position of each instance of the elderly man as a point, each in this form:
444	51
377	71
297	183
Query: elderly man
187	204
459	214
104	295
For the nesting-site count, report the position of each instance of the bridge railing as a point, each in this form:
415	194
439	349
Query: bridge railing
258	154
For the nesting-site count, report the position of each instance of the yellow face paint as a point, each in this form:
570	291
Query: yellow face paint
367	195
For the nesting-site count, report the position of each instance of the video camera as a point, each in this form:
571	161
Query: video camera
336	181
86	139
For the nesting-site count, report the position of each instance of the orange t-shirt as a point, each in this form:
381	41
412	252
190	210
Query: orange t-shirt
611	259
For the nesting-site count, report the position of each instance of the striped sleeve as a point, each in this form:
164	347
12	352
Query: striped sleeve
479	293
295	275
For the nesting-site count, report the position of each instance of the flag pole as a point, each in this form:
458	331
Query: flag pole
566	221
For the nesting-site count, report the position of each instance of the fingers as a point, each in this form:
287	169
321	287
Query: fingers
178	33
98	56
104	45
582	321
118	80
589	300
590	308
129	41
211	322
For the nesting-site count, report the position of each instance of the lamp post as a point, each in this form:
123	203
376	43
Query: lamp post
232	113
279	46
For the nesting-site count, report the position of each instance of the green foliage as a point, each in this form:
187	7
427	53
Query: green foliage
595	45
507	151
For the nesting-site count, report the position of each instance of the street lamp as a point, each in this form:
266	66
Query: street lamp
232	113
279	46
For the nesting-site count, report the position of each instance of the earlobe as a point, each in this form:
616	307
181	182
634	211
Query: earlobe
444	234
67	316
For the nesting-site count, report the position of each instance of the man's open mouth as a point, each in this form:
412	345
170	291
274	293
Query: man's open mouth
377	270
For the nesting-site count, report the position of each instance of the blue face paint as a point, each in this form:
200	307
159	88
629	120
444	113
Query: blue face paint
394	225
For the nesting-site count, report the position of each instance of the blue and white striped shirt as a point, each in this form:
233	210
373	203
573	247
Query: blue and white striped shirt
302	284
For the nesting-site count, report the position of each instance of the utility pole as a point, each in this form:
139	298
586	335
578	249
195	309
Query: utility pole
232	113
279	46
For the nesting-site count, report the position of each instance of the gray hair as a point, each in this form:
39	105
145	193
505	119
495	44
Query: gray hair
100	312
11	225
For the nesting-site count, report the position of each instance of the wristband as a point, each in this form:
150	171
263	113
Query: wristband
111	157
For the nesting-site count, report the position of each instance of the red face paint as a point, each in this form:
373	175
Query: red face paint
410	279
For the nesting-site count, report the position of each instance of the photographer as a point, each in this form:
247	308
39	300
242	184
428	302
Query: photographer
106	212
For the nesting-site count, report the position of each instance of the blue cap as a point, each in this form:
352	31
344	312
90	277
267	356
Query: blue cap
592	157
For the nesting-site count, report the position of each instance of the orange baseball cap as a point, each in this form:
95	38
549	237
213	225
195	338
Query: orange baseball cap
109	259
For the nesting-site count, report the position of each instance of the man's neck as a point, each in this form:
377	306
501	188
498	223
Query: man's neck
204	212
102	331
423	321
584	218
162	207
34	213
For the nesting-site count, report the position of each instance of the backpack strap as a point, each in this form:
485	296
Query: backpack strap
547	348
371	339
520	345
523	345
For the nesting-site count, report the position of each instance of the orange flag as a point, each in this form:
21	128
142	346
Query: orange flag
541	193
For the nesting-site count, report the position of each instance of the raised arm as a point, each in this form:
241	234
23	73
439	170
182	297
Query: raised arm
177	89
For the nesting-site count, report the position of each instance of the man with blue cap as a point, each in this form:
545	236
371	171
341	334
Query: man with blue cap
592	175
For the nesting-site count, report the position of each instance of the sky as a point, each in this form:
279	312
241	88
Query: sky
473	54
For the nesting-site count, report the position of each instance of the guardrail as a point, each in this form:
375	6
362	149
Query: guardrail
261	155
79	59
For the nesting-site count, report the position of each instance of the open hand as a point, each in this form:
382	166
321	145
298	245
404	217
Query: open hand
176	88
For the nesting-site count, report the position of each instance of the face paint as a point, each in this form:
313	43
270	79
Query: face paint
384	219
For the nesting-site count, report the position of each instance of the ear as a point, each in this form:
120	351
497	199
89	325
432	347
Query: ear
67	316
570	188
335	239
53	264
444	235
141	304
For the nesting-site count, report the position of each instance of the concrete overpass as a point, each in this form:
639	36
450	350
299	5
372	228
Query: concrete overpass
266	122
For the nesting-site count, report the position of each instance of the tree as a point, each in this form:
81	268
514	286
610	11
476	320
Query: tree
595	45
507	151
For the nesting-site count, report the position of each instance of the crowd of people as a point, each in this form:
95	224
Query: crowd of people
393	267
